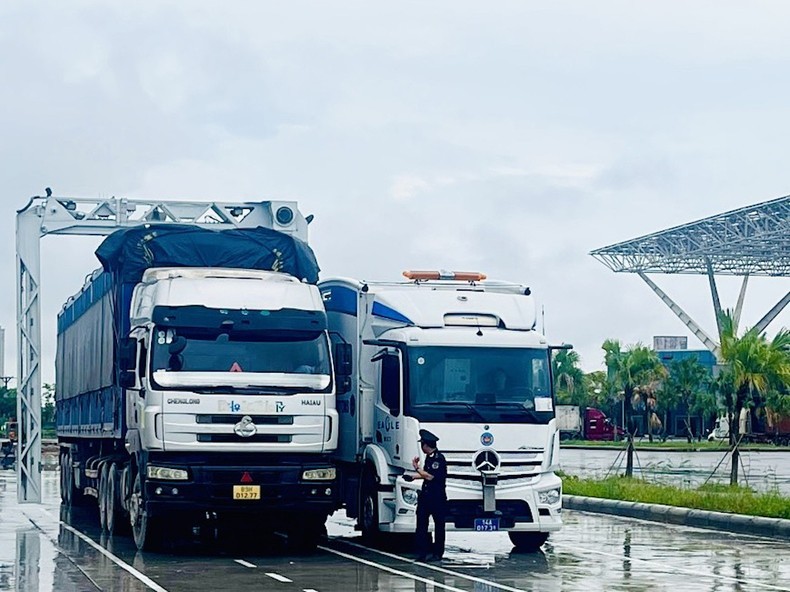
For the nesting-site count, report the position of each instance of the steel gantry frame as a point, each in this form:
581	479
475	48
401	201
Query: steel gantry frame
98	217
750	241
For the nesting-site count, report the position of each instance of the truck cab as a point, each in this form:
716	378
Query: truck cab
192	396
460	358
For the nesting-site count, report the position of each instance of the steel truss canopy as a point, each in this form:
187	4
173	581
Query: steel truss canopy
750	241
754	240
54	215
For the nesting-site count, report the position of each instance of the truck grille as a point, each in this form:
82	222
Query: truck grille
258	438
512	464
226	419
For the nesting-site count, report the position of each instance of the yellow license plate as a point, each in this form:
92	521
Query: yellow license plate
246	492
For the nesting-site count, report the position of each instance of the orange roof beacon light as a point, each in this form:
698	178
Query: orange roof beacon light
461	276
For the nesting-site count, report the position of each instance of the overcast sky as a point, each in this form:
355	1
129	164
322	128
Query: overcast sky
508	137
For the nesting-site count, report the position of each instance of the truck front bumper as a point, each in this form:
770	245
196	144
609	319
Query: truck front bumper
269	487
517	509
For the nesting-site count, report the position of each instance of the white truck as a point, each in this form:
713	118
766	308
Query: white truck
196	386
460	357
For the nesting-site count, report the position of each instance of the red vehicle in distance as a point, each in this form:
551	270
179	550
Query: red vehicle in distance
590	424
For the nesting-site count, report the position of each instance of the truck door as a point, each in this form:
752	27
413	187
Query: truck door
389	403
135	381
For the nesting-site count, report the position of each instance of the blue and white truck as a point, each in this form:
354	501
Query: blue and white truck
461	357
196	385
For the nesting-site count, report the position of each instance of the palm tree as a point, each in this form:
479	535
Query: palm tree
686	382
568	377
756	368
637	372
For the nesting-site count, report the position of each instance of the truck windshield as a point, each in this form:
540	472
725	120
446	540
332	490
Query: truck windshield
473	384
215	357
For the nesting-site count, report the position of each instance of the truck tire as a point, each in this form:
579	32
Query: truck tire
114	513
369	509
103	496
65	483
528	542
145	529
70	495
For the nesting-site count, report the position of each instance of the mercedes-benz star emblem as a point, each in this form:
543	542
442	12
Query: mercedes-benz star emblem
245	428
486	460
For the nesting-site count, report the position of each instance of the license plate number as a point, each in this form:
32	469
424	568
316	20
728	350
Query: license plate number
246	492
486	524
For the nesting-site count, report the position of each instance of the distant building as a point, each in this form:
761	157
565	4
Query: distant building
669	350
670	342
706	358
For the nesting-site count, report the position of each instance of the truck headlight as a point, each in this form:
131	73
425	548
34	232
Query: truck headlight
550	497
319	474
409	495
166	473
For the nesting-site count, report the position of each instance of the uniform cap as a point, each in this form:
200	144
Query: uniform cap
428	437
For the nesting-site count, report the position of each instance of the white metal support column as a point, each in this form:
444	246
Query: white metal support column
98	217
736	320
28	401
714	293
772	314
712	346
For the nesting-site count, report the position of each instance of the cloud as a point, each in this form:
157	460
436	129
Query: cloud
405	187
512	138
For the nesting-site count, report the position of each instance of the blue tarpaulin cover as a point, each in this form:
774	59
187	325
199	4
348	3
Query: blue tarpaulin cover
129	252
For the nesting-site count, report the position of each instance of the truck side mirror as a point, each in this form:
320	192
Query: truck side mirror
391	383
343	367
343	363
127	354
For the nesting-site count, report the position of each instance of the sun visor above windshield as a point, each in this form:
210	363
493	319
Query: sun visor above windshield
240	320
434	309
129	252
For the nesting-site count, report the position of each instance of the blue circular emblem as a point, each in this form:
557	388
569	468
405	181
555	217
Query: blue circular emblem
487	438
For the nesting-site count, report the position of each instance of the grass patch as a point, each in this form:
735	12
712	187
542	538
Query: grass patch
715	497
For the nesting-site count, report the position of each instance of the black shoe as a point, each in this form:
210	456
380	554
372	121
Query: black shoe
434	557
422	558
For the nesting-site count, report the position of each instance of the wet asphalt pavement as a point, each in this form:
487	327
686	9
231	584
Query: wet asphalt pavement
41	551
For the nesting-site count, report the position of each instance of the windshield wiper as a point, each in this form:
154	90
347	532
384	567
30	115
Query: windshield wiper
243	390
511	405
463	403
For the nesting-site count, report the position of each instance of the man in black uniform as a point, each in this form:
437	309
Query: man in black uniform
433	497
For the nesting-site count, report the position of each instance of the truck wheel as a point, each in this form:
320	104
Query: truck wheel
103	496
369	511
65	481
145	529
113	518
71	495
528	541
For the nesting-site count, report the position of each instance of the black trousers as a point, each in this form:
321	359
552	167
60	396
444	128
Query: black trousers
436	507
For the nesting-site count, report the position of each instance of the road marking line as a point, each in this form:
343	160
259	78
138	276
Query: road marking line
309	590
671	569
245	563
436	568
116	560
397	572
60	551
278	577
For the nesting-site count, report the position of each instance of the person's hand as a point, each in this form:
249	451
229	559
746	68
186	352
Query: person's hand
415	462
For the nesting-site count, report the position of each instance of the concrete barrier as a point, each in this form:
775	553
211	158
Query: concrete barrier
739	523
